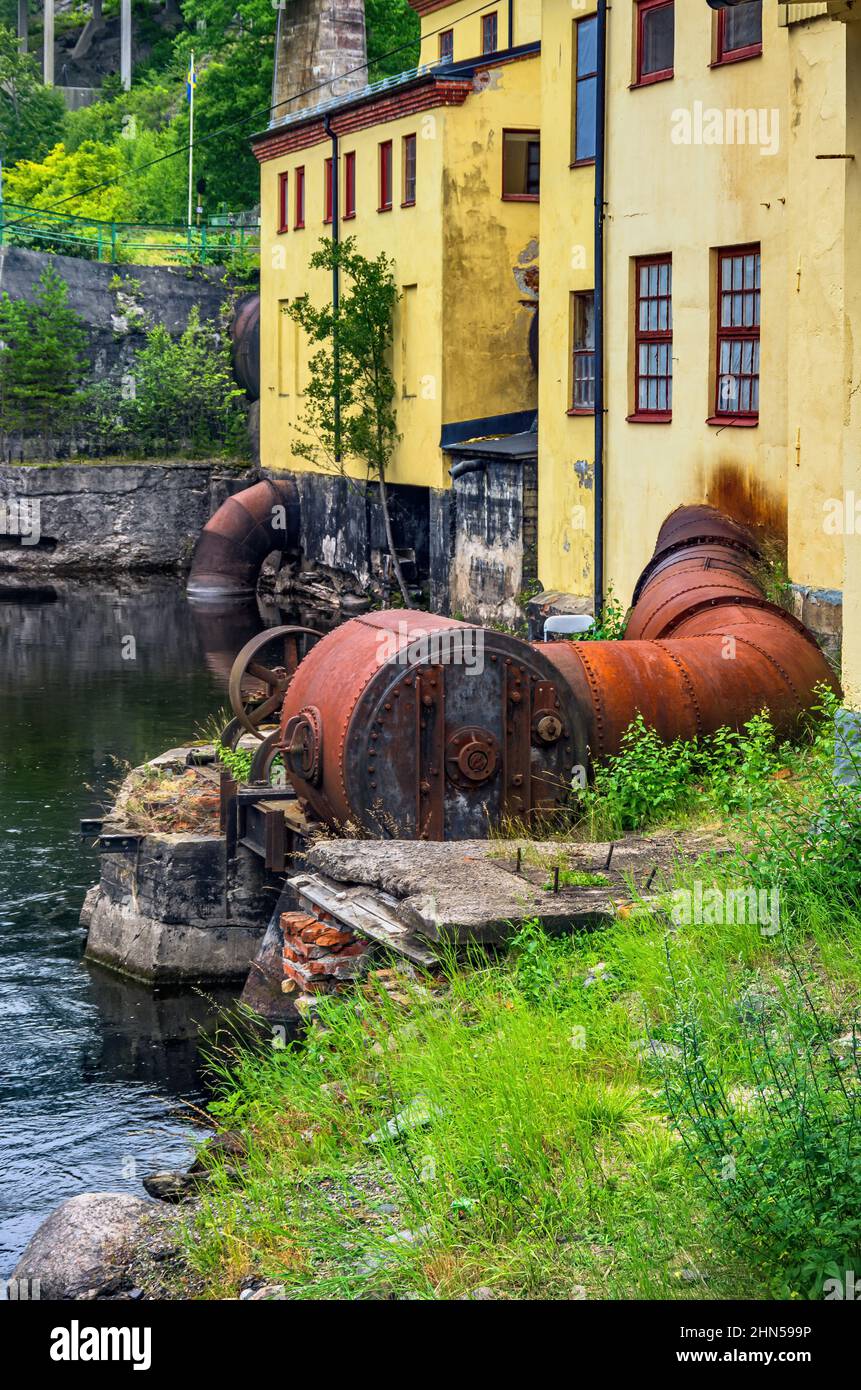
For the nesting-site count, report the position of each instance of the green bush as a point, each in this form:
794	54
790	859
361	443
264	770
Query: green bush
179	397
773	1128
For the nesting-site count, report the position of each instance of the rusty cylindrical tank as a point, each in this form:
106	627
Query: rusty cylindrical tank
416	726
236	540
245	344
390	726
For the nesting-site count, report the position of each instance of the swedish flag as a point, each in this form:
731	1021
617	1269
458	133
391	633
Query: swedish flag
191	80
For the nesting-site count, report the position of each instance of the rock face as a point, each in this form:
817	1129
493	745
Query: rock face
85	1246
90	518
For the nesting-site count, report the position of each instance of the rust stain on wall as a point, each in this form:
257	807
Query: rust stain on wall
748	500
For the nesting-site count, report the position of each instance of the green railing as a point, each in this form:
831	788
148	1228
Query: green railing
213	242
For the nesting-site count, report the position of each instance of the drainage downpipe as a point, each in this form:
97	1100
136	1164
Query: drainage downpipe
336	281
600	174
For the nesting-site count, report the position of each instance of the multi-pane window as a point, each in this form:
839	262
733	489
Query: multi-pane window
409	170
350	184
739	31
489	32
585	88
521	164
446	46
653	394
299	194
739	293
283	202
583	351
385	202
328	190
655	40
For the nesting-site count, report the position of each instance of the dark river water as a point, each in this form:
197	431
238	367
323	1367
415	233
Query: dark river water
95	1071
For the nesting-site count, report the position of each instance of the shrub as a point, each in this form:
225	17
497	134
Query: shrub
777	1145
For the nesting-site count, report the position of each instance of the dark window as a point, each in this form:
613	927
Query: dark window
299	215
739	32
385	176
521	163
327	191
489	33
585	88
583	351
655	40
446	46
654	337
283	202
739	292
350	184
409	164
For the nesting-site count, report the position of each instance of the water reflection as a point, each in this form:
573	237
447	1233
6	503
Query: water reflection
94	1071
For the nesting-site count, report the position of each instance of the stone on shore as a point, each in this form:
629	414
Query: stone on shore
85	1247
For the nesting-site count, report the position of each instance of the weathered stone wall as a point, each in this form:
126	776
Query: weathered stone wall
115	316
83	518
494	555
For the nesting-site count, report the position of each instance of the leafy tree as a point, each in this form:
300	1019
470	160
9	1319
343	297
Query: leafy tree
41	361
31	116
349	411
62	181
391	25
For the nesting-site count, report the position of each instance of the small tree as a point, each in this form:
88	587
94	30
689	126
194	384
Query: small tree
349	399
181	394
41	361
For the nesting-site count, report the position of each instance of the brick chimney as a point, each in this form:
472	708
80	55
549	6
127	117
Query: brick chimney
316	42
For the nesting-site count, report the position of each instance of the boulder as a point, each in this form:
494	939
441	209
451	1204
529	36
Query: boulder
86	1245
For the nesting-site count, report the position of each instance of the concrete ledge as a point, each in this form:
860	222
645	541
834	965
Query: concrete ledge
166	952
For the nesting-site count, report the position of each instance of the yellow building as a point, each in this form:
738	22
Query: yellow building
731	291
438	169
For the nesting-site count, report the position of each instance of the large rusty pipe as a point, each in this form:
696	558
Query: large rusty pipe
236	540
430	728
703	646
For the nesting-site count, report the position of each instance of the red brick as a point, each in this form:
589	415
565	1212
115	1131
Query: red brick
331	936
310	986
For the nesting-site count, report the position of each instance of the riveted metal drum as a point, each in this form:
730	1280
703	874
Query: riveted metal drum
417	726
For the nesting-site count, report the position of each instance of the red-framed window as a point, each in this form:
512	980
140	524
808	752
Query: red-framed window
385	203
739	32
328	190
489	32
350	184
738	333
299	195
283	202
585	90
408	162
653	336
583	353
656	22
521	165
446	46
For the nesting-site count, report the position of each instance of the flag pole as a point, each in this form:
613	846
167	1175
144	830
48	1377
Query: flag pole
190	130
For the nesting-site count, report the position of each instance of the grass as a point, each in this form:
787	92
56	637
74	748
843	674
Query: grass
667	1109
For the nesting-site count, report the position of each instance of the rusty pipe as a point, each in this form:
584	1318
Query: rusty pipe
393	724
245	344
703	647
236	540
